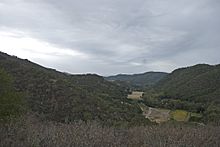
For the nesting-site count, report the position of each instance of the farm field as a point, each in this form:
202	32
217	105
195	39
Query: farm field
159	115
136	95
180	115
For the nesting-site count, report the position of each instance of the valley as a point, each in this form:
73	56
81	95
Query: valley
62	97
161	115
109	73
78	110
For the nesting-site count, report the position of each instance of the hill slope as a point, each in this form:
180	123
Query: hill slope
62	97
195	88
141	80
199	83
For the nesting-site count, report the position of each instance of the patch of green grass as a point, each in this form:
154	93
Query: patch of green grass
180	115
195	117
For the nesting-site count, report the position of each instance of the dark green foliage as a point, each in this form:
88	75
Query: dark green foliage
157	99
212	114
139	80
63	97
11	102
195	88
200	83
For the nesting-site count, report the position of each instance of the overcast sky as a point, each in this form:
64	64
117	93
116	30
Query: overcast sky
112	36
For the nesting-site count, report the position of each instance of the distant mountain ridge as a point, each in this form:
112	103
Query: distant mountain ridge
143	79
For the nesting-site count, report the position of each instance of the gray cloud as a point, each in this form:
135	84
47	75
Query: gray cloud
120	36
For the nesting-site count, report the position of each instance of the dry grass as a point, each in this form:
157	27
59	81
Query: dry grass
159	115
136	95
163	115
31	132
155	114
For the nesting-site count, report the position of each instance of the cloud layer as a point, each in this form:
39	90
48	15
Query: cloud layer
109	37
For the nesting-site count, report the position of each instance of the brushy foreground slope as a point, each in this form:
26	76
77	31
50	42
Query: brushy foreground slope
30	132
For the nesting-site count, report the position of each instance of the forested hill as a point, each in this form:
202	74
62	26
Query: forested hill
199	83
63	97
144	79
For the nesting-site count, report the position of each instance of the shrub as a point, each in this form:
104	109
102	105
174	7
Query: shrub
11	102
30	132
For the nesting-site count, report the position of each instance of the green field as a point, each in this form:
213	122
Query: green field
180	115
159	115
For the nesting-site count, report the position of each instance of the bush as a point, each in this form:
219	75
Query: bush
31	132
11	102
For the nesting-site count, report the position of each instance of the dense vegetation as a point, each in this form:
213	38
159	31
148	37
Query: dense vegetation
64	98
196	89
199	83
12	103
139	81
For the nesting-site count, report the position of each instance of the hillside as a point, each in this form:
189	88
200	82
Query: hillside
139	80
199	83
195	89
62	97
